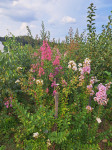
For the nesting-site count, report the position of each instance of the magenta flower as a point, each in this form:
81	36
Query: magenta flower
46	52
54	92
51	77
56	61
54	84
8	103
64	83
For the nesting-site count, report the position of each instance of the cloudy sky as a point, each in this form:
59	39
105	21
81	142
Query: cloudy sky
58	16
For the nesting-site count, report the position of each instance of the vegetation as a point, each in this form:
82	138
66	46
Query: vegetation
57	96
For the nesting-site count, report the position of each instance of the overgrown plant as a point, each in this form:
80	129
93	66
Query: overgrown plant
76	126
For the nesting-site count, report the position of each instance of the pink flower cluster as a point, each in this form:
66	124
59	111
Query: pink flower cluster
56	61
54	92
101	96
64	83
85	69
34	67
54	84
41	71
89	108
46	52
51	77
86	66
89	89
8	103
57	70
47	90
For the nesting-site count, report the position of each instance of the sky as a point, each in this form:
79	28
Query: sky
58	16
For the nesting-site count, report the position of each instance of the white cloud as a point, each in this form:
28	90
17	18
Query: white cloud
14	3
68	19
58	15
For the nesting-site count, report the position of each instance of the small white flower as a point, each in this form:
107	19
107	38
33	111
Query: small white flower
48	143
18	68
35	135
57	84
69	66
79	65
80	69
98	120
74	68
31	70
87	61
74	64
17	81
39	81
71	62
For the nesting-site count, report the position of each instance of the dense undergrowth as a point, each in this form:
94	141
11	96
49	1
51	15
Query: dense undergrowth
58	96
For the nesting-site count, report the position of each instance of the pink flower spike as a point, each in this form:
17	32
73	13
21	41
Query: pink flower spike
56	61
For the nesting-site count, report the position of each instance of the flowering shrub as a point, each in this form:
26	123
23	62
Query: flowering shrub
65	112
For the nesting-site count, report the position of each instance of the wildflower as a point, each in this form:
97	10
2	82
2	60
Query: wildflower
41	71
18	68
31	70
69	66
86	66
17	81
33	79
54	92
89	108
101	96
108	85
74	68
64	83
47	90
8	103
65	53
72	64
80	69
89	89
98	120
46	52
87	61
35	135
86	69
39	81
79	65
54	84
92	93
48	143
51	77
57	69
35	54
56	61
